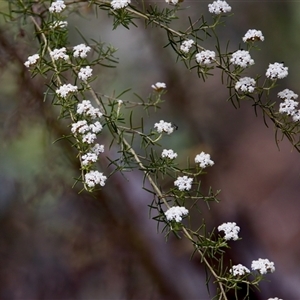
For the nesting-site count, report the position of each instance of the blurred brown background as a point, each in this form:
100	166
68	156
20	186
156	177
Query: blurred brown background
56	244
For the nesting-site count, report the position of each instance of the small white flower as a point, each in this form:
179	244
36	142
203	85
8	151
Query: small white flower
186	46
172	1
253	35
94	113
176	213
158	86
58	6
263	266
81	50
59	54
168	154
218	7
204	160
246	85
296	116
89	138
88	158
64	90
242	58
31	60
80	127
85	73
59	24
205	57
86	108
94	177
287	94
92	156
230	230
276	298
288	107
97	149
277	71
239	270
163	126
117	4
183	183
96	127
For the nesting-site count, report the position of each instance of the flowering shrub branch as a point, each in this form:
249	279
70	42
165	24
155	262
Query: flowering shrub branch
240	88
70	70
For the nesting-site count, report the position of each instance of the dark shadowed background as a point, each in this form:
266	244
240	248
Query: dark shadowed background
57	244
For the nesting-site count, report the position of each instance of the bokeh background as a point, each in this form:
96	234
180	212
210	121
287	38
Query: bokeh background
58	244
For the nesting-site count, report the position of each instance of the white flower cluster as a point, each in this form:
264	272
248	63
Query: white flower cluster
246	85
168	154
31	60
95	127
85	108
163	126
263	266
88	131
66	89
289	106
230	229
158	86
277	71
287	94
92	156
203	159
276	298
241	58
59	54
176	213
205	57
59	24
239	270
117	4
81	50
218	7
85	73
253	35
89	158
186	46
183	183
80	127
172	1
94	177
57	7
